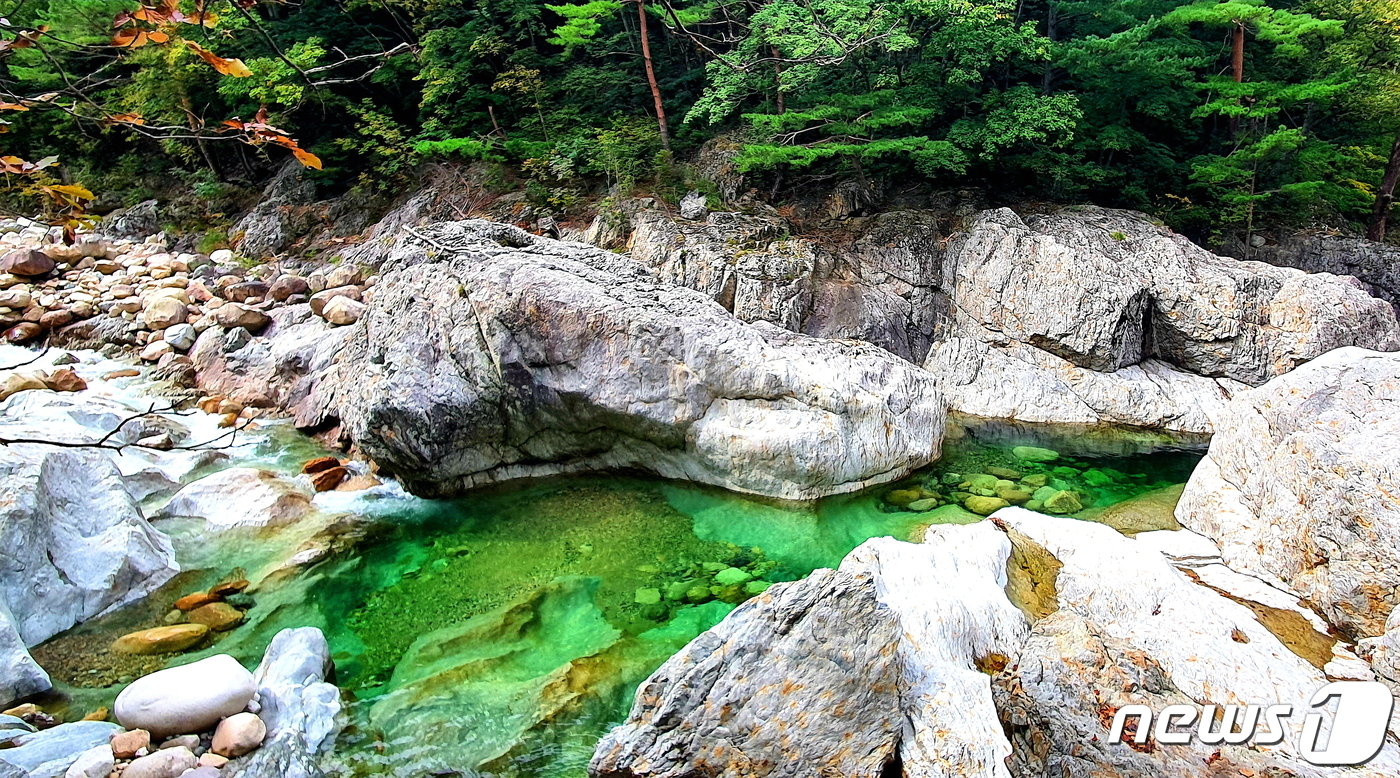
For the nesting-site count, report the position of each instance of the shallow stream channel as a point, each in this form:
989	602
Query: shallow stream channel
503	632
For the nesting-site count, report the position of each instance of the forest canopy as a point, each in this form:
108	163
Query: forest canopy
1218	116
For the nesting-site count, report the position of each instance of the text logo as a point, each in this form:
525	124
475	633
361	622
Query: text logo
1355	736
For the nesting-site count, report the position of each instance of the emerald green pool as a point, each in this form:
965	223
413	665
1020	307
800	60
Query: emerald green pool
502	633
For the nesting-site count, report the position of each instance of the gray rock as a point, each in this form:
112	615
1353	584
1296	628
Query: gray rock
165	763
181	336
1103	289
20	675
96	762
505	355
782	657
1375	264
1298	486
77	544
693	206
299	707
138	221
50	752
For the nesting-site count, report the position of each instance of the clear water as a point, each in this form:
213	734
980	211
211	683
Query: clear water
502	633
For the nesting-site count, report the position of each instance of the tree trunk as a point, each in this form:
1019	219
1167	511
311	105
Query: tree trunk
651	77
1385	197
778	80
1238	63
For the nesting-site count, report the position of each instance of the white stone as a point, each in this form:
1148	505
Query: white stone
241	497
188	698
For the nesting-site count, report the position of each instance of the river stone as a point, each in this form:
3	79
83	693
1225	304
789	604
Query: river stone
286	286
238	734
234	315
96	762
161	640
321	299
343	310
1034	454
161	312
23	332
1062	501
188	698
984	506
506	355
217	616
182	336
126	745
49	753
26	262
165	763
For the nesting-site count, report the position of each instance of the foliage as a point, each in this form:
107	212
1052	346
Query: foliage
1132	103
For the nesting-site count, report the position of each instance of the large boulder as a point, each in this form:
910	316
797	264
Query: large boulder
1300	485
76	543
488	353
1017	670
50	752
1086	311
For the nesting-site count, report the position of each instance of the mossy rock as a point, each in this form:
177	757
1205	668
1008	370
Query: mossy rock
902	497
1013	495
647	595
1035	454
926	504
984	506
1063	502
1036	480
730	576
1005	472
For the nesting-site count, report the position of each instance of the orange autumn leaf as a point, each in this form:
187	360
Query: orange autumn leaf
129	37
158	37
13	107
229	67
306	158
127	118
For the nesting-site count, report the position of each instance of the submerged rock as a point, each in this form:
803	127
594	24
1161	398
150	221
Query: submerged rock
504	355
240	497
161	640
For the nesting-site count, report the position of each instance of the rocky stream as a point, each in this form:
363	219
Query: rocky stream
734	502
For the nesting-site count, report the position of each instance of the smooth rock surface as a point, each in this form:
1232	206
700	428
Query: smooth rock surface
76	543
165	763
187	698
240	497
509	355
20	675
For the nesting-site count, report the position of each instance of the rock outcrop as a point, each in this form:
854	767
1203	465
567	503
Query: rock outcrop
488	353
75	543
1091	312
1300	486
1018	670
1375	264
20	675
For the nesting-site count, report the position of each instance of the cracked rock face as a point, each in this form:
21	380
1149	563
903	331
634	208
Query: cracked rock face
1089	314
488	353
983	687
1300	486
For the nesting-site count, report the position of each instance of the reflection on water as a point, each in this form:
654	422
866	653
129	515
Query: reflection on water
503	632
